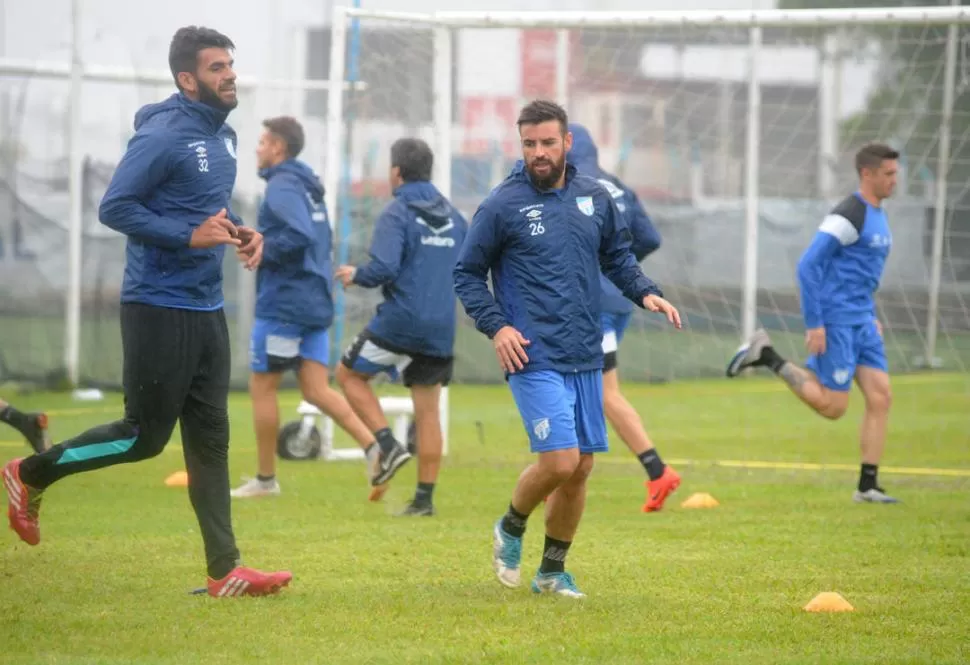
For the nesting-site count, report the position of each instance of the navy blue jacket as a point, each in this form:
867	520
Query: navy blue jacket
294	283
413	253
839	273
646	239
545	250
178	170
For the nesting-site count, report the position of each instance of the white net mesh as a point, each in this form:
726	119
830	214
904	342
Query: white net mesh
34	129
668	108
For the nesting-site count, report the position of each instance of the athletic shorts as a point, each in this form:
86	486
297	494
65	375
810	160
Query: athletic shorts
613	325
847	347
561	411
371	356
276	347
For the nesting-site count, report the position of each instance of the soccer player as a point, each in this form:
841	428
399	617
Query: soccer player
294	306
412	256
170	195
838	276
545	233
662	480
33	426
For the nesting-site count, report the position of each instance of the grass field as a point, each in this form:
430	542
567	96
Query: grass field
109	582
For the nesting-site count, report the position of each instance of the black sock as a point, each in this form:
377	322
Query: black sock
867	477
264	479
652	463
386	440
15	418
554	556
514	522
422	495
770	359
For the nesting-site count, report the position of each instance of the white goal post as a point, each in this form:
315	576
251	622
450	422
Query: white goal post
446	27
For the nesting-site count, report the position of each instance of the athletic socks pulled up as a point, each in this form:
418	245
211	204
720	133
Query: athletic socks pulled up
514	522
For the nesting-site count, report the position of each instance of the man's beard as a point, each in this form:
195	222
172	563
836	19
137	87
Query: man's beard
548	181
210	97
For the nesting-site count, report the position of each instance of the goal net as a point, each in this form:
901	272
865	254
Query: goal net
737	132
668	98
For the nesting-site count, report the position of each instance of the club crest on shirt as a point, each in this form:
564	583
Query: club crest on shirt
230	148
585	205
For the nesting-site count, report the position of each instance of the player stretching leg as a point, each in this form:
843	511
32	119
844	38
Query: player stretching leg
413	253
662	480
544	234
838	276
170	195
33	426
294	305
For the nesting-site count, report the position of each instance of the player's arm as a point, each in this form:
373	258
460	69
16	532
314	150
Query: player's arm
834	233
646	239
145	165
293	233
478	254
386	252
617	260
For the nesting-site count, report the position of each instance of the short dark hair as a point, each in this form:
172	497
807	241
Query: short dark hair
183	52
872	155
543	110
414	158
290	131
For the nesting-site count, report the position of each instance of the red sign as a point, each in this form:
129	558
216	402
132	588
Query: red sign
538	64
488	124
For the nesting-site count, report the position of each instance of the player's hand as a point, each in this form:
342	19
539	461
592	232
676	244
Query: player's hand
510	349
878	326
345	275
815	341
251	251
655	303
214	231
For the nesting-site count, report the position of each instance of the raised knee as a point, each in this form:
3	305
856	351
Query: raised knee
564	468
833	411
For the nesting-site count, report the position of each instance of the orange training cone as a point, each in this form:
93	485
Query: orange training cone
828	601
700	500
178	479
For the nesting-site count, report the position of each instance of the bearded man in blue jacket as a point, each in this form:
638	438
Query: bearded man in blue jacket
170	196
294	302
545	234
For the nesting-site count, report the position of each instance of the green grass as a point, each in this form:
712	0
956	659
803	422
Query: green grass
108	583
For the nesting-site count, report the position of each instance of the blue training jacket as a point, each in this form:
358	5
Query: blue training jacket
178	170
294	283
413	253
545	250
645	238
839	273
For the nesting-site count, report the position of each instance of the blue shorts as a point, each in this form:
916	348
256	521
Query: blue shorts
561	411
276	347
613	325
847	347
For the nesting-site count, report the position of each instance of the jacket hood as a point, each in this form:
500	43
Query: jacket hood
194	114
426	201
584	153
299	170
